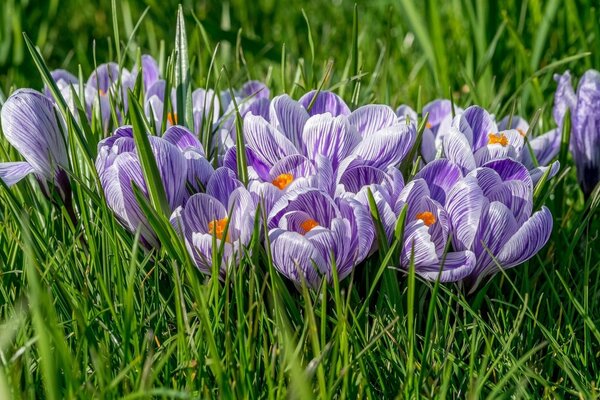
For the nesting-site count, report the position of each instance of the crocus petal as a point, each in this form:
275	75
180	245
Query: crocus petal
181	137
200	210
537	173
564	97
201	249
418	245
199	170
104	76
255	89
221	184
355	178
332	137
545	147
289	117
405	111
294	256
361	223
481	124
325	102
386	147
457	266
516	122
465	204
267	143
528	240
428	146
438	110
296	165
440	175
242	215
458	150
150	71
313	201
31	124
13	172
372	118
509	169
172	167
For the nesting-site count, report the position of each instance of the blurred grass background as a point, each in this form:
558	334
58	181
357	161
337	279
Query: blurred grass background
483	51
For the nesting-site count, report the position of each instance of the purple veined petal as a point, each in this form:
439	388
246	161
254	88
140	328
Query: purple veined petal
200	211
150	71
458	150
201	250
176	221
441	176
438	110
395	183
31	124
464	205
418	244
439	225
257	168
205	104
289	117
294	220
313	201
256	89
13	172
324	176
182	138
528	240
545	147
412	194
117	182
509	169
493	152
267	143
361	223
372	118
537	173
481	124
585	136
404	111
564	97
384	207
355	178
457	266
121	132
259	107
428	146
104	76
222	183
496	226
172	167
264	193
517	196
295	257
387	147
199	170
242	215
518	123
332	137
156	89
337	242
325	102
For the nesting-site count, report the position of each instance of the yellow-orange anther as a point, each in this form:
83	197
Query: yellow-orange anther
521	132
217	227
172	118
427	217
309	224
498	139
282	181
101	92
428	125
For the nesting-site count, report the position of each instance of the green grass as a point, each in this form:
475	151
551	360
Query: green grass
109	320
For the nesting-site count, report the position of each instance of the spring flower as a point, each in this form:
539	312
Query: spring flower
32	125
310	232
490	212
585	124
180	162
224	216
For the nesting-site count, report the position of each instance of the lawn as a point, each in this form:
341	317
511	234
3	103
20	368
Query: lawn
90	309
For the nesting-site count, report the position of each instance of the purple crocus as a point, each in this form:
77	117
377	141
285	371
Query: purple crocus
223	216
32	125
490	212
310	233
474	139
584	107
181	164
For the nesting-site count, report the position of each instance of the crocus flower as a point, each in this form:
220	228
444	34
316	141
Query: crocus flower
474	139
490	212
427	227
310	233
223	216
180	161
31	123
585	124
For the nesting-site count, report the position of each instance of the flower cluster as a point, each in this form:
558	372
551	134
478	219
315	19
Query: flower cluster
320	172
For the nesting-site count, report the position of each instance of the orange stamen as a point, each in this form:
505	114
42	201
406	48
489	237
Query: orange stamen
282	181
427	217
308	225
498	139
101	92
428	125
172	118
217	227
